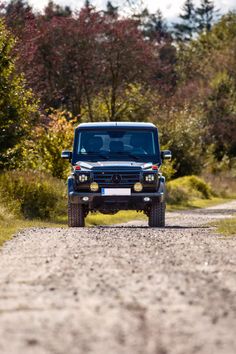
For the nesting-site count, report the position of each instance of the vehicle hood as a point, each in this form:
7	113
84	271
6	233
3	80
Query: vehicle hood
114	165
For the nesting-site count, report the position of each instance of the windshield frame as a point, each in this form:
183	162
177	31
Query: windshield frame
156	158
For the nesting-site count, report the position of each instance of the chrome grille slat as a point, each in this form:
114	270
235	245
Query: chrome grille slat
106	177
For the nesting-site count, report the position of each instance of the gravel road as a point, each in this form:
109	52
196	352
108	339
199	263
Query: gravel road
124	289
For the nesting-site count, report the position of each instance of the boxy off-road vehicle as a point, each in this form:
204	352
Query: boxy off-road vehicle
116	166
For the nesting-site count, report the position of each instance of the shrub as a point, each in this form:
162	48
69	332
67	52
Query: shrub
183	189
198	184
42	151
32	194
168	170
177	194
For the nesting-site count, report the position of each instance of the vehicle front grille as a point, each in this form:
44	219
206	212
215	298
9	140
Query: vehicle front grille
116	179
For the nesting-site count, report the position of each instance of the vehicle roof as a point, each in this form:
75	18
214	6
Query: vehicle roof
116	124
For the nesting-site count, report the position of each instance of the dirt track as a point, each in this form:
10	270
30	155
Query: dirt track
113	290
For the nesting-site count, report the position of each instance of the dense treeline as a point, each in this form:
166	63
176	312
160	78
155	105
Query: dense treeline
99	65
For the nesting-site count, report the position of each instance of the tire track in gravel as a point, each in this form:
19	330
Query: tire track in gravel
122	289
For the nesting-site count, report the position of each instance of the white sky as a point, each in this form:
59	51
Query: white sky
170	9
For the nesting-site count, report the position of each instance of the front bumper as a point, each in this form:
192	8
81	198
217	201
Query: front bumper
135	201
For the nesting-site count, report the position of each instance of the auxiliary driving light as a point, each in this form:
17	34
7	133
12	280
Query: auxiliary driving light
138	187
83	178
150	178
94	186
85	199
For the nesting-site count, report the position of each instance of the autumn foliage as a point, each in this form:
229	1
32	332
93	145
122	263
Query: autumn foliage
100	65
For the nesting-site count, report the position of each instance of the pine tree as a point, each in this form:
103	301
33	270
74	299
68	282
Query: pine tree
184	31
54	10
205	15
111	10
155	27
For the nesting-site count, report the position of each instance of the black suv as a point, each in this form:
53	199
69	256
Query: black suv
116	166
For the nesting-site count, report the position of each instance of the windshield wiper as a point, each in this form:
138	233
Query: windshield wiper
135	157
109	156
96	155
104	156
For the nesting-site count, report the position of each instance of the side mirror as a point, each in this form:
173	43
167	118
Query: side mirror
66	155
166	155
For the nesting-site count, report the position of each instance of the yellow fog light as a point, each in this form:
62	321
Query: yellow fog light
138	187
94	187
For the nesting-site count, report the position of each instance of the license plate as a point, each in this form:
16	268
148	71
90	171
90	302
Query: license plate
116	191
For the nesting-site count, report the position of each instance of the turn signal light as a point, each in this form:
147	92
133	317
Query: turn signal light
154	167
77	168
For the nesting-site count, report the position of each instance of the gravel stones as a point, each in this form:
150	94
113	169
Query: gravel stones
124	289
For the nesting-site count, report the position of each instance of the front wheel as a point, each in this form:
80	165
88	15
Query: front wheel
157	215
75	215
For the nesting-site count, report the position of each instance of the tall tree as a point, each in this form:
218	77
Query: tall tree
17	13
210	85
83	56
125	58
155	30
155	27
205	15
17	105
54	10
63	51
111	10
185	30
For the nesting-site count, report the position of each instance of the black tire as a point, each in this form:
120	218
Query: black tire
75	215
157	215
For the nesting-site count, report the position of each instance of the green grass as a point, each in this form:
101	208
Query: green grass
121	217
226	227
10	227
9	224
198	203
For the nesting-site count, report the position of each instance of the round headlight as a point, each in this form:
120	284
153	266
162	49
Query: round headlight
94	186
138	187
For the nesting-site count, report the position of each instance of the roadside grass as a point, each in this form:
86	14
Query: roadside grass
198	203
226	227
119	218
10	225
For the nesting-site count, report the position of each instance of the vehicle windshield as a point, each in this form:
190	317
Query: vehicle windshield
117	145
